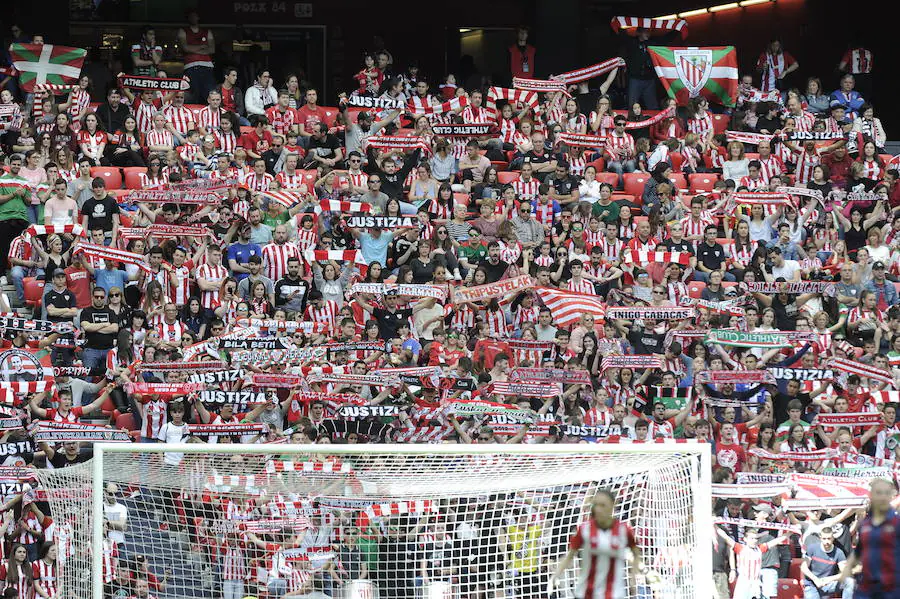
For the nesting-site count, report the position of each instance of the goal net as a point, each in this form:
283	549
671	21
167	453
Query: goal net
372	521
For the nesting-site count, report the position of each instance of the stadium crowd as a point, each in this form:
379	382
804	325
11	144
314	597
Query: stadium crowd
428	263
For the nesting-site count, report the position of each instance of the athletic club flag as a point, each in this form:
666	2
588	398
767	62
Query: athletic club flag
690	72
43	63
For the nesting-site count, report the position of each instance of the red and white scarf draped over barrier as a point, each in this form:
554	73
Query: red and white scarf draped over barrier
107	253
589	72
654	26
863	370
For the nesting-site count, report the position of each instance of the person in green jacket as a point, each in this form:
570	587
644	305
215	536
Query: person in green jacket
14	193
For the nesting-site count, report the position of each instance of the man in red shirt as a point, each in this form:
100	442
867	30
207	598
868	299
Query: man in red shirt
308	115
729	453
283	118
838	162
232	95
259	140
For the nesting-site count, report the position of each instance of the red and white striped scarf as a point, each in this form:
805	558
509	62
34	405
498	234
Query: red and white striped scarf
747	137
398	142
642	257
762	198
99	251
579	140
540	85
863	370
339	206
328	255
654	25
668	113
288	199
512	96
419	106
594	70
35	230
44	90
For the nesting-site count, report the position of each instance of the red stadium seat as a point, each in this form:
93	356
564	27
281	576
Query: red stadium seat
677	160
634	183
126	421
789	588
598	164
886	158
34	291
650	112
794	572
720	122
695	288
195	110
500	165
132	176
331	113
701	182
461	198
611	178
751	155
507	177
680	181
110	174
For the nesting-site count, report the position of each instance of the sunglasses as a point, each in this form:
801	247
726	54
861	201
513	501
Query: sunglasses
114	295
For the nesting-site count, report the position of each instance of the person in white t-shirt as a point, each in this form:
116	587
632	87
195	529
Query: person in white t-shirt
781	268
115	513
174	431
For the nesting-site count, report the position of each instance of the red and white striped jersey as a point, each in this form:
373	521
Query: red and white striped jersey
749	561
226	142
438	210
143	114
525	315
110	560
544	213
496	321
170	333
275	259
716	157
701	125
24	537
803	121
327	314
858	60
872	170
614	142
155	414
470	114
635	243
771	167
209	119
281	122
693	228
46	574
258	182
582	286
612	249
526	190
160	138
295	182
752	184
180	282
626	232
81	101
859	313
598	416
21	248
663	429
742	255
181	118
234	560
463	316
213	274
806	162
298	580
149	183
24	585
189	152
603	553
592	238
577	164
772	67
508	131
607	124
359	179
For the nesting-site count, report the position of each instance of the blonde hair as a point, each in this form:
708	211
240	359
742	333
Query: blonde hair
736	144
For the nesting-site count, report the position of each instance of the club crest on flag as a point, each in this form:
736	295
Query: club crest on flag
693	66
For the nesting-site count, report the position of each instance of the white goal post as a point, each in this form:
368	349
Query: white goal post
663	491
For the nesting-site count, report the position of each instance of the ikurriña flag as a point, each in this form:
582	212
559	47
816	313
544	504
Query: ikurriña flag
711	72
44	63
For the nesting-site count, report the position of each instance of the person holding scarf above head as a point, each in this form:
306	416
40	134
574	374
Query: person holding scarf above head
774	65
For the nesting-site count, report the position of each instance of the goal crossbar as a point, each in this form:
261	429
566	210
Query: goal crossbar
701	487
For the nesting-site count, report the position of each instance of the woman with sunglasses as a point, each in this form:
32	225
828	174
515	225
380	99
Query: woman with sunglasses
154	177
44	149
442	245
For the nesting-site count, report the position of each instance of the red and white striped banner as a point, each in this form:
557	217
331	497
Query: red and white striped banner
650	313
400	508
645	257
524	389
801	191
398	142
288	199
748	491
35	230
513	96
819	455
313	255
418	106
638	361
746	137
811	491
26	387
492	290
106	253
164	389
863	370
239	428
755	524
762	198
654	25
589	72
276	466
540	85
339	206
581	140
408	290
568	306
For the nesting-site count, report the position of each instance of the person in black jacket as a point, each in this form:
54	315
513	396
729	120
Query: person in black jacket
641	75
112	114
391	177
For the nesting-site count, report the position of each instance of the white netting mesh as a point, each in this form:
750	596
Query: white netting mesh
368	525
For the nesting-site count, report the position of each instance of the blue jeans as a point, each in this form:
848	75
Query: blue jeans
826	590
17	274
643	91
94	358
202	81
277	587
704	276
619	167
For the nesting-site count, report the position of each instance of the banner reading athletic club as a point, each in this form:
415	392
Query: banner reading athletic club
690	72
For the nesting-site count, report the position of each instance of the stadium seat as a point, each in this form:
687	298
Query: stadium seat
789	588
111	175
461	198
500	165
331	113
195	110
598	164
680	181
701	182
507	177
611	178
677	160
720	123
751	155
634	184
133	176
794	571
886	158
625	197
695	288
126	421
34	291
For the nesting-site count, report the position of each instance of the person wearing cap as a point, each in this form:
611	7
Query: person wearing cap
838	122
884	290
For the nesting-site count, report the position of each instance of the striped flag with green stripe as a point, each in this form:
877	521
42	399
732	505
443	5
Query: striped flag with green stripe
711	72
44	63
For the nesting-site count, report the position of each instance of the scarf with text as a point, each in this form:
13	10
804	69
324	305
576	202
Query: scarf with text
644	257
662	115
276	525
340	206
115	255
850	419
217	398
820	455
382	222
145	83
408	290
801	191
812	136
12	423
760	478
581	140
634	362
863	370
268	343
747	137
733	377
283	326
277	381
547	375
748	491
166	390
525	389
650	312
294	357
159	196
540	85
729	307
762	198
418	106
398	142
364	346
178	366
11	322
801	374
353	412
375	380
589	72
654	26
464	129
742	339
85	435
755	524
479	406
203	184
242	428
37	230
491	290
380	102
